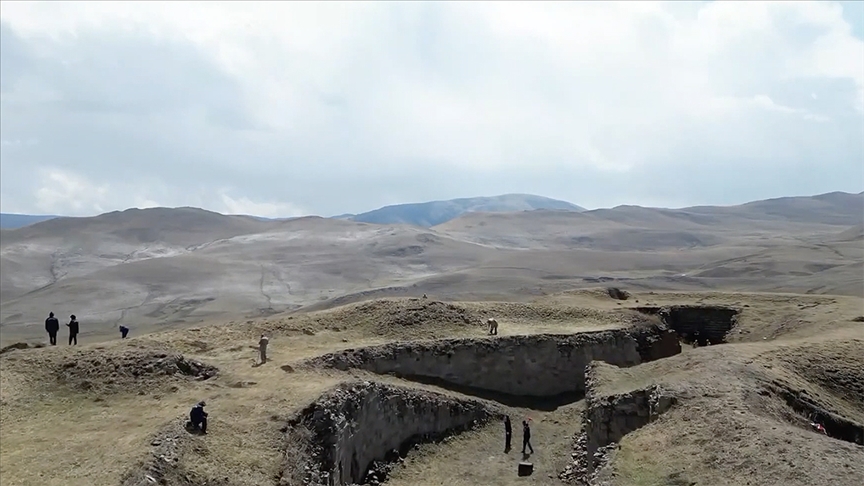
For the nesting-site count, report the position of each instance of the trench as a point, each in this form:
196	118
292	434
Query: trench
697	324
541	371
353	431
357	429
836	427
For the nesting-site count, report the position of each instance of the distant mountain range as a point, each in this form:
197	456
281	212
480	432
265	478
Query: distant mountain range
425	214
433	213
827	208
10	220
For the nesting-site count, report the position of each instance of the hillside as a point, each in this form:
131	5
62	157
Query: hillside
436	212
418	214
421	376
177	267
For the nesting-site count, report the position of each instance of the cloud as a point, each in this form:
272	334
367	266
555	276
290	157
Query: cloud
245	205
342	107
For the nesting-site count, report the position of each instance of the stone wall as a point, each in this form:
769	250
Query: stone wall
528	366
705	324
608	418
358	424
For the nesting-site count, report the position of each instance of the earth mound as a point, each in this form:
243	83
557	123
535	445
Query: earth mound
423	317
834	366
115	370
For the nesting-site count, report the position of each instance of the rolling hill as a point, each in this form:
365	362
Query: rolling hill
436	212
419	214
157	267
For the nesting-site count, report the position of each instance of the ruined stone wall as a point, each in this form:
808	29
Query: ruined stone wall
529	366
608	418
712	323
357	424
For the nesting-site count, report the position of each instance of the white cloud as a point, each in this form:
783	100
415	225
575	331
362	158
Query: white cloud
244	205
345	99
62	192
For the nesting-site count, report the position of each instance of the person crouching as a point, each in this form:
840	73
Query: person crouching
198	417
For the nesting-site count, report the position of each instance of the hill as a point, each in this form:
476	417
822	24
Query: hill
177	267
436	212
422	377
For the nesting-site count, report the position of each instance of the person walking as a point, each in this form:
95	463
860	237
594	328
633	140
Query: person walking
124	331
73	330
52	325
526	437
262	348
508	433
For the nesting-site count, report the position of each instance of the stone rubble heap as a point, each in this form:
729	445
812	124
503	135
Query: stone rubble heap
577	471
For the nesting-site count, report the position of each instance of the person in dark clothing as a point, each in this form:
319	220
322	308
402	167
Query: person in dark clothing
198	417
526	437
123	332
73	329
508	433
52	325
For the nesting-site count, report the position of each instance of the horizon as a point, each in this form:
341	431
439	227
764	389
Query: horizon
428	202
328	108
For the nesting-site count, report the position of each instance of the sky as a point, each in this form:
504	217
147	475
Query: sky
282	109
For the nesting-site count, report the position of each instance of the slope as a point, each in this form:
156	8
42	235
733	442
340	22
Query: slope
436	212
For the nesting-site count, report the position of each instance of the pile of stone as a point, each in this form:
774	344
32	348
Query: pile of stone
578	472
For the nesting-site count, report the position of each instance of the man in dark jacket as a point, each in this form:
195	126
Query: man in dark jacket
52	325
73	329
526	437
198	417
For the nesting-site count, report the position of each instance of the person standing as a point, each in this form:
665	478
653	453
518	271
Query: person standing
526	437
73	329
508	433
52	325
262	348
123	332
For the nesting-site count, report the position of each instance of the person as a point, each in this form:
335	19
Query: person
73	329
526	437
52	325
508	433
262	348
493	326
198	417
123	332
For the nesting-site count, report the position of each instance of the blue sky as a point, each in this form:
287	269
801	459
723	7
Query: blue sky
289	108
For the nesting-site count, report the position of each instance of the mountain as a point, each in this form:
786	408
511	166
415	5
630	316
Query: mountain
433	213
166	266
418	214
10	220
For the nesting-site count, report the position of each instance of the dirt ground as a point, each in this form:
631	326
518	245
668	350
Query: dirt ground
90	423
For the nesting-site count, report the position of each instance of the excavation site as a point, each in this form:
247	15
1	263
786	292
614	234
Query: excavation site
514	370
598	402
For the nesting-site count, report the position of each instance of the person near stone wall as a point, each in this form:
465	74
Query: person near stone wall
526	436
508	433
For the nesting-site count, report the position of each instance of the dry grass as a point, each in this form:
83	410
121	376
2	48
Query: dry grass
66	435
